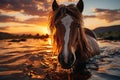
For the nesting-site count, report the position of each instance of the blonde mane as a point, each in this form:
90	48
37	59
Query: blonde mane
82	40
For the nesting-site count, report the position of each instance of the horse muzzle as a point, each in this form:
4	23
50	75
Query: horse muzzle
70	60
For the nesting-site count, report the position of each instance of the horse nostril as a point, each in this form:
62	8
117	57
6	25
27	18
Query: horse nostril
71	59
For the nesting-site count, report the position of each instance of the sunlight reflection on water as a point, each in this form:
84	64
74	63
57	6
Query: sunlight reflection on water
103	43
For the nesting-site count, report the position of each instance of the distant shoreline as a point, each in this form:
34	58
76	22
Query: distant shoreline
4	35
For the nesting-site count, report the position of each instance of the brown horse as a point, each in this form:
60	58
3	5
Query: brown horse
74	44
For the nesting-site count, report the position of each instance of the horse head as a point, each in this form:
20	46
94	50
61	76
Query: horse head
66	25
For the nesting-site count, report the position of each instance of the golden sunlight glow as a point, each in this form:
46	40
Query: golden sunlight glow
33	30
92	23
25	28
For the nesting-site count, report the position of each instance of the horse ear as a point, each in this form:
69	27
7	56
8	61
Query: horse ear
80	5
55	5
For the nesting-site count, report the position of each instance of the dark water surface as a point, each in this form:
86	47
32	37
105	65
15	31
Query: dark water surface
32	60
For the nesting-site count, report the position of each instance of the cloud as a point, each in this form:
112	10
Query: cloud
25	8
71	0
40	20
89	16
4	28
30	7
5	18
106	14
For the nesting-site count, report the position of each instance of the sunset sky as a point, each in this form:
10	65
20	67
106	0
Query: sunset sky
31	16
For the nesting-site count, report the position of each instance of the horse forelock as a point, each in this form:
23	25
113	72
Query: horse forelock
61	11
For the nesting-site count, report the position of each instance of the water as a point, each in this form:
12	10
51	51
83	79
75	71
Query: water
33	60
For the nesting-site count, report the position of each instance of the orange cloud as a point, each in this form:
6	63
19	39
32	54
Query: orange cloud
5	18
38	21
